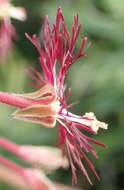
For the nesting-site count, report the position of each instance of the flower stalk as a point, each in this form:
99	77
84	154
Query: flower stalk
14	100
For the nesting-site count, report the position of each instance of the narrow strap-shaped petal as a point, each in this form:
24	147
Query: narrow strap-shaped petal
39	93
36	111
48	122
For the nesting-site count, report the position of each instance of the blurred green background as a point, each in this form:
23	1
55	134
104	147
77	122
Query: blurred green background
96	82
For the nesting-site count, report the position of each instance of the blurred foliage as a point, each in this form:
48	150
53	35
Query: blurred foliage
96	82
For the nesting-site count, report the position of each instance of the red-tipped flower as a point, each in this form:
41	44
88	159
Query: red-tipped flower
49	103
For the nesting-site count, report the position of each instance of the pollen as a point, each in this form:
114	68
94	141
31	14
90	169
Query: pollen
90	120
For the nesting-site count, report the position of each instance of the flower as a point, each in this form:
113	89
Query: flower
31	178
7	30
37	156
48	104
26	178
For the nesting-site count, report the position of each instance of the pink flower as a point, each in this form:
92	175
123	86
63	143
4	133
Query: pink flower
37	155
30	178
7	30
48	104
26	178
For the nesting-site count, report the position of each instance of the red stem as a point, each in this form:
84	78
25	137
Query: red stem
11	147
14	100
11	165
